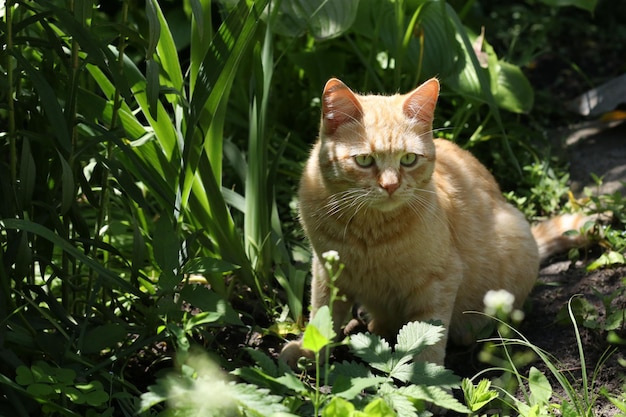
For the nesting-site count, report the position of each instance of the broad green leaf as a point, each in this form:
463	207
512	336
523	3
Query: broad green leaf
373	350
514	92
477	78
24	376
209	301
615	320
338	407
323	19
93	393
319	332
424	373
39	390
349	388
588	5
414	336
540	389
443	53
378	408
434	395
403	405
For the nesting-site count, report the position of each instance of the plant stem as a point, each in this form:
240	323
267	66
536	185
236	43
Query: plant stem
10	102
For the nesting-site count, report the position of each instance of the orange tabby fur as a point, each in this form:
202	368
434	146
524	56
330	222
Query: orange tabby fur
420	240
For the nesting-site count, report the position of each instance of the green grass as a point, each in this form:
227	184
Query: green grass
146	149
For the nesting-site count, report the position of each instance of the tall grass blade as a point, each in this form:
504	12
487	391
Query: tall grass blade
258	194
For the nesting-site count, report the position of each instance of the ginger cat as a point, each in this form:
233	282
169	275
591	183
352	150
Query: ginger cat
420	225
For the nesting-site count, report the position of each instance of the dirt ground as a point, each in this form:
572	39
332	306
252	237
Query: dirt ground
599	148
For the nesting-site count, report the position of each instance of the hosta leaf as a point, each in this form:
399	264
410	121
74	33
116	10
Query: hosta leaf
323	19
588	5
514	92
443	54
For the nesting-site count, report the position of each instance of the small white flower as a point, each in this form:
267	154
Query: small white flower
498	301
331	256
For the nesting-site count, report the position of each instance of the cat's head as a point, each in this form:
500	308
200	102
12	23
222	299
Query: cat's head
377	149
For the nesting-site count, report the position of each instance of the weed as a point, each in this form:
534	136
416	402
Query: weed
579	398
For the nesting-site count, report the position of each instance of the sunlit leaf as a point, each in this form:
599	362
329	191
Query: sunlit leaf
319	332
322	19
540	389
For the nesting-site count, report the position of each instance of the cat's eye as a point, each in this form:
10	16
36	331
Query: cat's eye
408	159
364	161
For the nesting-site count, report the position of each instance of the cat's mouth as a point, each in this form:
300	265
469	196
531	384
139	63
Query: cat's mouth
388	203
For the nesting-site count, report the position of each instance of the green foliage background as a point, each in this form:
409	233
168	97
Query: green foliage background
150	146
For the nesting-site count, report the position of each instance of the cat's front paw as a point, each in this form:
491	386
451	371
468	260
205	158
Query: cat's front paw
292	352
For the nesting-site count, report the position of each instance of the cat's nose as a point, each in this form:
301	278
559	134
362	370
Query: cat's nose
390	187
389	180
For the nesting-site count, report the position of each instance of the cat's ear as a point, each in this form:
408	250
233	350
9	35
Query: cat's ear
420	105
339	105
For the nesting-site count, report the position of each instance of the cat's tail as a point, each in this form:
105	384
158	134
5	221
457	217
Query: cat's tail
551	236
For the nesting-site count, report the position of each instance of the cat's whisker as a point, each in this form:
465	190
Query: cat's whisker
365	201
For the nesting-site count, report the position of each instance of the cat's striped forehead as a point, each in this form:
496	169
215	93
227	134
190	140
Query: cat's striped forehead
384	129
